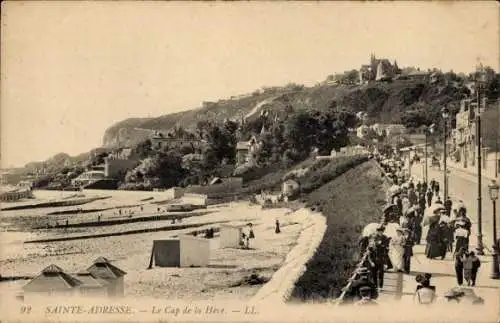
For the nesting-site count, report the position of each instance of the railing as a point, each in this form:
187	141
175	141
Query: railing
339	300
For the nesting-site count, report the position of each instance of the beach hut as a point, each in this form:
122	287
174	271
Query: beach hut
103	270
51	282
230	235
187	251
92	286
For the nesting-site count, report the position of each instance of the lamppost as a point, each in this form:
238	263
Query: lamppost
493	191
479	83
445	113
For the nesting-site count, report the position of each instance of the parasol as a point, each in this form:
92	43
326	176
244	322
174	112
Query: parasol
433	214
370	229
394	189
391	230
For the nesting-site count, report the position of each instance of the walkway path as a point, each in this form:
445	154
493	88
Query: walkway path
443	272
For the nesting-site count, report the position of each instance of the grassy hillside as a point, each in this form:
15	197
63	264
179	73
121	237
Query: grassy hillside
349	202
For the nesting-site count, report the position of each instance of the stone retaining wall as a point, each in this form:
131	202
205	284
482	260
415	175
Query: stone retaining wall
279	288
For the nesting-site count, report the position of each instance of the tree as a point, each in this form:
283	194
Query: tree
351	77
144	149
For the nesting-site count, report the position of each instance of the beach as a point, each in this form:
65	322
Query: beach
223	278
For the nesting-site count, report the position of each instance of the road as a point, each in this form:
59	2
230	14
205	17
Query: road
461	187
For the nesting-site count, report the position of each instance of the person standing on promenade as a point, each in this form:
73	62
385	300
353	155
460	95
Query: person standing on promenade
417	226
448	205
378	247
429	197
433	185
436	187
459	265
471	267
397	250
422	203
408	250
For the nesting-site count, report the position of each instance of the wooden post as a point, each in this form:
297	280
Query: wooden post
152	255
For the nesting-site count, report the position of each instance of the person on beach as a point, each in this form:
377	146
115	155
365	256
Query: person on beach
459	265
277	228
247	235
471	267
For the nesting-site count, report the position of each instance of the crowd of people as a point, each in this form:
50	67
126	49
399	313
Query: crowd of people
388	246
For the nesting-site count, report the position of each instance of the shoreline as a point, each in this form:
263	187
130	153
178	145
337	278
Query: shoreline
223	279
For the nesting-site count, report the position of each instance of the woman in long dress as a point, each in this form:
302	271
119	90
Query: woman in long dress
434	246
396	250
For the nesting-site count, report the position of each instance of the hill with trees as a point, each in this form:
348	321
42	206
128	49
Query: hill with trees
289	123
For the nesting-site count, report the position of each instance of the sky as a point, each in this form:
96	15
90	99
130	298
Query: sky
69	70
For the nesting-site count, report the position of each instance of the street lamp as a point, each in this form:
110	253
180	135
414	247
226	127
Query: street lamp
493	191
445	113
480	80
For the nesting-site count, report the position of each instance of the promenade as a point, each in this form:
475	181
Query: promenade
461	187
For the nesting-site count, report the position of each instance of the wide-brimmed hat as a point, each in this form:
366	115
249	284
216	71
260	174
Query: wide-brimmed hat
365	289
436	207
389	207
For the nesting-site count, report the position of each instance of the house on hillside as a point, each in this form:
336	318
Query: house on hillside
388	129
100	279
365	74
245	150
418	76
290	187
120	161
